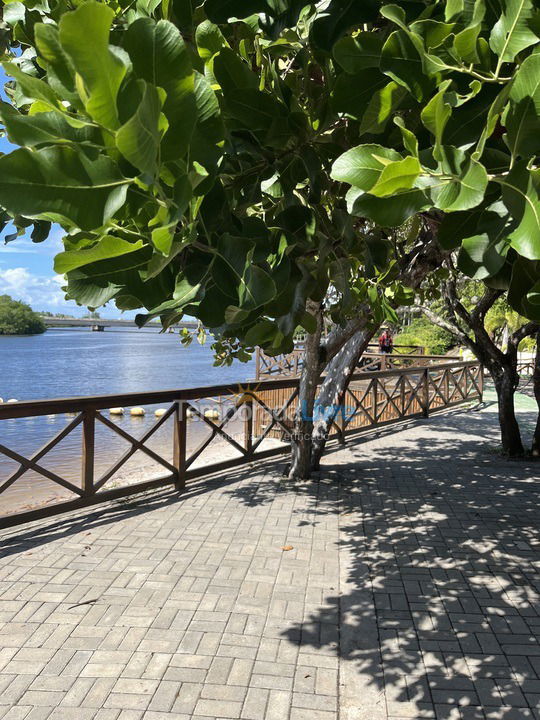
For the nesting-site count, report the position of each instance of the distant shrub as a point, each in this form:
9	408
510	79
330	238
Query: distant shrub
435	340
17	318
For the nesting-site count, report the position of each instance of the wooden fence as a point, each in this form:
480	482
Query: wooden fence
259	413
290	364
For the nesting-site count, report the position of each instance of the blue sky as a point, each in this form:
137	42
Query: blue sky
26	268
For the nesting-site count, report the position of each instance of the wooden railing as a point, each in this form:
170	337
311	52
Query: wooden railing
290	364
254	421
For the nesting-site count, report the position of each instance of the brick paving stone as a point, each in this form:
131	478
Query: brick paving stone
412	591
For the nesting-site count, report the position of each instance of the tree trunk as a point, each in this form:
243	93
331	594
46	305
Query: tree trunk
535	449
506	380
330	399
302	435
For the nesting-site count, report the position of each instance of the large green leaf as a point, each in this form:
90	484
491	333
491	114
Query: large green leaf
382	105
397	176
402	60
362	166
389	211
219	11
462	182
480	257
522	119
46	128
436	114
84	34
338	16
108	247
352	93
255	109
160	56
521	197
138	139
232	72
360	52
209	40
516	29
60	70
57	182
32	87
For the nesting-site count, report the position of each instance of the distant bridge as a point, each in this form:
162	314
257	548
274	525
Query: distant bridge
99	324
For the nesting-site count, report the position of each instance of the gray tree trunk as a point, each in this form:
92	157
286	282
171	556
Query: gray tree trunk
330	399
302	434
535	449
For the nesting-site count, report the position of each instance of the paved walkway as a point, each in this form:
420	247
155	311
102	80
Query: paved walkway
403	584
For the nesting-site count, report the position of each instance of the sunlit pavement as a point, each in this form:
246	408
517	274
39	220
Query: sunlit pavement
401	583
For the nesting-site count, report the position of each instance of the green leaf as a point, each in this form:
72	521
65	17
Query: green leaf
382	105
107	247
160	56
522	119
59	183
233	73
352	93
220	11
60	70
362	166
397	176
402	60
387	212
410	141
255	109
436	114
209	40
84	35
338	16
33	88
358	53
464	183
45	128
138	139
520	195
455	227
516	29
480	257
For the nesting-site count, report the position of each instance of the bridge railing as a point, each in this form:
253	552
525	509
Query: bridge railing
247	423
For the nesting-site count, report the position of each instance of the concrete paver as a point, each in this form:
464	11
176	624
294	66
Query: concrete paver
412	590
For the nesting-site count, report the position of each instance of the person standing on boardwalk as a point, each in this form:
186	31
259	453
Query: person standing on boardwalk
386	343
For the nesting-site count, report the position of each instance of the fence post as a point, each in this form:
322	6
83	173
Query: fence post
88	443
374	399
257	363
179	443
248	425
425	410
481	382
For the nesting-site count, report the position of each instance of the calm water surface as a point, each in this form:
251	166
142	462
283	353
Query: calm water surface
69	362
64	363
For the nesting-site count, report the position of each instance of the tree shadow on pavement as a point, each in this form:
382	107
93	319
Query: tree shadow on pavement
438	609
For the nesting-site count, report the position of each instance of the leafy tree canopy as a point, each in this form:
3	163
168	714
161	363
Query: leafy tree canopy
17	318
232	159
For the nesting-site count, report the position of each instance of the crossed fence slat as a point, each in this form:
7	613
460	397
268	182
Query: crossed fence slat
379	398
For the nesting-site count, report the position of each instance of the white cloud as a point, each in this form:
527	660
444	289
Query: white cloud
41	292
24	245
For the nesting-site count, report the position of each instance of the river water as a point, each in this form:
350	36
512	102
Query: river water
73	362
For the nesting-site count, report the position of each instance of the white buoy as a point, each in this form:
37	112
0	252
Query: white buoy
160	412
137	412
211	414
116	411
12	400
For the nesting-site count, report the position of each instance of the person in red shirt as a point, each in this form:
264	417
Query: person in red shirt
386	344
